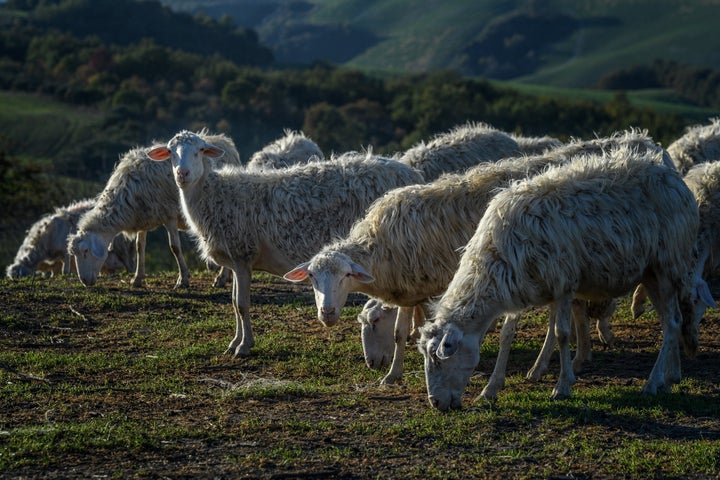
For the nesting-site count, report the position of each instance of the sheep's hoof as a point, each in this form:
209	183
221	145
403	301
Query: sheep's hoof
390	379
535	375
560	393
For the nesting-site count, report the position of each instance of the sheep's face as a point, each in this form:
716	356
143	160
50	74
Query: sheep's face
187	152
333	275
377	331
90	253
450	358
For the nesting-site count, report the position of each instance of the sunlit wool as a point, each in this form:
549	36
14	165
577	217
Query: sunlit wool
46	244
273	219
593	228
704	181
291	149
459	149
139	196
699	144
410	242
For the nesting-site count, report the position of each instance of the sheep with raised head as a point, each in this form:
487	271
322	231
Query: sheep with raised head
273	219
45	247
291	149
459	149
704	181
407	247
699	144
593	228
139	196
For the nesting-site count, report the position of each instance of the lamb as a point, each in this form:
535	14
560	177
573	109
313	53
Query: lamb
593	228
139	197
289	150
699	144
704	181
387	259
271	220
45	246
459	149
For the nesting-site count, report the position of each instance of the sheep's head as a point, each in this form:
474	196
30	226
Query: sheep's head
377	331
450	357
333	275
187	151
18	270
90	252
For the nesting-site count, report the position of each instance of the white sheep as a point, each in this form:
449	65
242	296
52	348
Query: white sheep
459	149
289	150
699	144
703	180
407	247
593	228
139	196
45	246
535	145
271	220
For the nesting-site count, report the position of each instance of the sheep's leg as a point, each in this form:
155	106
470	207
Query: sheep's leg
604	329
497	379
403	321
666	370
542	361
242	343
140	241
221	278
176	249
562	311
66	264
418	320
583	351
638	301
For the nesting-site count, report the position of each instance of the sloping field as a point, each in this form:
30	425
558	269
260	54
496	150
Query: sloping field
116	382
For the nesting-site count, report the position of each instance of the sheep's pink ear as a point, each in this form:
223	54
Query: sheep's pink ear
298	274
159	154
360	274
212	151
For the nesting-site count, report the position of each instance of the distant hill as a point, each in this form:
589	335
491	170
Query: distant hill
570	43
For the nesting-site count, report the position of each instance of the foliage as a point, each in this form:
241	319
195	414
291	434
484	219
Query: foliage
700	85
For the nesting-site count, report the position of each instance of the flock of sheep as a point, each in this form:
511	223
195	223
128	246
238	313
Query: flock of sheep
444	238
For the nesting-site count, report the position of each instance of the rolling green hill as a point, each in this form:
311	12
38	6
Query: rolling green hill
552	42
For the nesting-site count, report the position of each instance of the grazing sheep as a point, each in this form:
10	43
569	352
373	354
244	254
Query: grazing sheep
289	150
45	246
139	197
593	228
271	220
460	149
699	144
407	247
704	181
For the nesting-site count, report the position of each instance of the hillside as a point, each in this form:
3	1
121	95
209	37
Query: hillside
551	42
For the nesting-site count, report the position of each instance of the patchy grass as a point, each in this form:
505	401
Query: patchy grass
120	382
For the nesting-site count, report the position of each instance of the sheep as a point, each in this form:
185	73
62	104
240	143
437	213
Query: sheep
703	180
45	246
270	220
593	228
139	196
407	247
699	144
535	145
460	148
289	150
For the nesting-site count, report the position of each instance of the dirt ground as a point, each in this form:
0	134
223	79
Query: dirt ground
235	451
